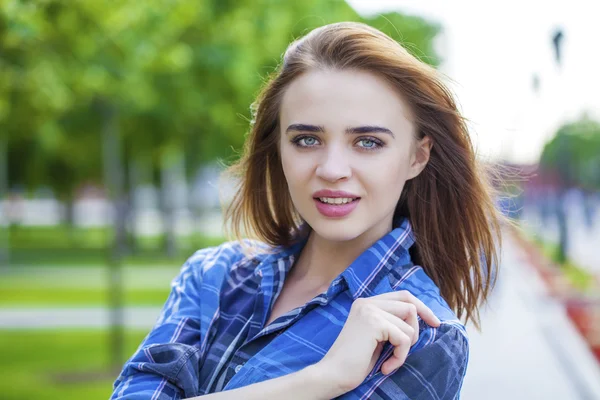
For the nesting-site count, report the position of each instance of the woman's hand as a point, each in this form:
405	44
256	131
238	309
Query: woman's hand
371	323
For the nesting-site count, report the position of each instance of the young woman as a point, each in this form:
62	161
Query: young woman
374	232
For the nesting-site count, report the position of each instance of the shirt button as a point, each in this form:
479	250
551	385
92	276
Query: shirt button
237	369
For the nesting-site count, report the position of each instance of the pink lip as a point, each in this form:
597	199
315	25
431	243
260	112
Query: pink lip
335	210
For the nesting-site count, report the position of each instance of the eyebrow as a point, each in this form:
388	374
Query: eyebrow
354	130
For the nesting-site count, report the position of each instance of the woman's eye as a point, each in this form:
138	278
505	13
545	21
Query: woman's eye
309	141
305	141
369	144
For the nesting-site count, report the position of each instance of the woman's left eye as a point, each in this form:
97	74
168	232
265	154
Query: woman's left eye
309	141
369	144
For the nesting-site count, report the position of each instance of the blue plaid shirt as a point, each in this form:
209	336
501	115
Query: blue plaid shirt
211	334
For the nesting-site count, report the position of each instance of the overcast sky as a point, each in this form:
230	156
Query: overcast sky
492	51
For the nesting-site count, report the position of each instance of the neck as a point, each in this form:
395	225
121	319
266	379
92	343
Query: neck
322	260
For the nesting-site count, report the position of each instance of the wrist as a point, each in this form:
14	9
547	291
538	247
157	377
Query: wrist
324	381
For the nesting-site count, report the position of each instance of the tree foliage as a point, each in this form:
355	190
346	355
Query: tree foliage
573	154
180	76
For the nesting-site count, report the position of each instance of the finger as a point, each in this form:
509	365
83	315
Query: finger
412	321
376	355
395	335
404	295
396	360
404	326
401	343
400	309
404	311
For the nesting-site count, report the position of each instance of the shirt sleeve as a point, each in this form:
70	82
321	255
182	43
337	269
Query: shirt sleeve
166	364
435	370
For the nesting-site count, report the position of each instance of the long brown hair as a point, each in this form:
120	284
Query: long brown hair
449	204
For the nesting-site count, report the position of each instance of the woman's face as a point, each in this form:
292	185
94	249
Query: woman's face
347	131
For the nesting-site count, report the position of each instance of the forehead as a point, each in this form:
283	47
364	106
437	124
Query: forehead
347	97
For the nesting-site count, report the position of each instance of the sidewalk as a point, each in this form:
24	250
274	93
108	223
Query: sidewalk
529	348
154	277
88	317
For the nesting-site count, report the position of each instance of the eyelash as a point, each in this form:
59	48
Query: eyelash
378	143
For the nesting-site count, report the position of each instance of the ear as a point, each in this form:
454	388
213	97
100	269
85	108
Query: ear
420	156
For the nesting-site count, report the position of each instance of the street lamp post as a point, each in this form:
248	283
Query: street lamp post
562	166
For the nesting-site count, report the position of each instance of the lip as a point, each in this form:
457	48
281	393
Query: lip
335	210
333	194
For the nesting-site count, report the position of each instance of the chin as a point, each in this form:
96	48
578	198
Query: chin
339	230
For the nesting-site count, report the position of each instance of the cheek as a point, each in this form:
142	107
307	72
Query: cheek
386	180
286	161
296	167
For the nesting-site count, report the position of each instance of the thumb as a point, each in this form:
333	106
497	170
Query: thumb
376	355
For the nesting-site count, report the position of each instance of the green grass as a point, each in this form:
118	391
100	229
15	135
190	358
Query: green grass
580	278
58	297
60	236
58	245
33	362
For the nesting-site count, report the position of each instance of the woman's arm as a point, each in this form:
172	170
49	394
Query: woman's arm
166	364
312	382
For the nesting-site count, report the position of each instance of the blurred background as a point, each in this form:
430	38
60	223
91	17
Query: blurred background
116	119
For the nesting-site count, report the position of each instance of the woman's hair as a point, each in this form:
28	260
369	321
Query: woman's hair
449	204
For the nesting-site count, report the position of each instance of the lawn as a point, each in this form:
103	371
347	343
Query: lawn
56	266
50	268
50	364
49	286
80	247
76	297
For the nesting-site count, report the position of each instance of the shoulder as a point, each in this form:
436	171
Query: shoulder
452	331
414	279
437	363
435	367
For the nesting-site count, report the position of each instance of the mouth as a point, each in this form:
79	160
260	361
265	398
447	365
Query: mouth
337	200
336	207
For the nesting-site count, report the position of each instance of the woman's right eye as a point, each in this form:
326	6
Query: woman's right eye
305	141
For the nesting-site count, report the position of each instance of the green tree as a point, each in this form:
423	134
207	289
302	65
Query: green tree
573	156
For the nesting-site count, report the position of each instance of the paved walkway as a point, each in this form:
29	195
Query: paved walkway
49	318
528	348
155	277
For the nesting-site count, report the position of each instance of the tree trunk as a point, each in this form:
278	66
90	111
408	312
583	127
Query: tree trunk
588	208
113	177
4	223
170	178
561	219
191	174
195	207
69	202
133	183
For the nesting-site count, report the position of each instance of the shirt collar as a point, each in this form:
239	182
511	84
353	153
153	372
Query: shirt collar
390	251
368	269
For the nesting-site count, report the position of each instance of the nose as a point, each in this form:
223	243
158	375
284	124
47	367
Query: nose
334	165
